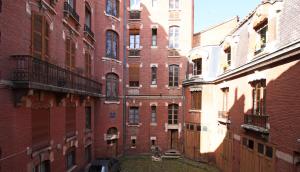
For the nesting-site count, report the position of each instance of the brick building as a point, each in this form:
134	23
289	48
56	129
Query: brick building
73	85
249	91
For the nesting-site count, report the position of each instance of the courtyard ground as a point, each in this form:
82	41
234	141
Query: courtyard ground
145	164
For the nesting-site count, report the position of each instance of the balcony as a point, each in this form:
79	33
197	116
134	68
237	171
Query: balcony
88	30
33	73
223	117
69	10
134	52
135	15
258	123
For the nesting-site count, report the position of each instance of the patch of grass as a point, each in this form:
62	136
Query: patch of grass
145	164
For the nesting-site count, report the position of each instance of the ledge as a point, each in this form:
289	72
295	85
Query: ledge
72	168
111	59
255	128
112	17
133	125
195	110
111	102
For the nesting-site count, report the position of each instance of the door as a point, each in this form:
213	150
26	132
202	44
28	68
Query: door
174	139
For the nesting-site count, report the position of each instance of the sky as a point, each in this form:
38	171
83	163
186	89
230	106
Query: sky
211	12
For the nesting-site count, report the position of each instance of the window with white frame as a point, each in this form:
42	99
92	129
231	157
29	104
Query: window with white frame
173	4
153	114
135	4
174	37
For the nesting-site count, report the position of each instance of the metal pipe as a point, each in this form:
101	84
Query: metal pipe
124	73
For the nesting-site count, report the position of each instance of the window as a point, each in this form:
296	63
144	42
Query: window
70	119
248	143
133	143
225	99
134	75
134	39
88	64
113	131
196	100
42	167
153	114
72	3
112	86
173	114
173	75
154	3
135	4
192	127
88	118
70	158
88	17
198	128
197	67
40	37
70	54
153	142
269	151
154	37
261	36
228	55
133	115
174	37
153	75
260	148
259	97
173	4
40	120
88	153
112	43
112	7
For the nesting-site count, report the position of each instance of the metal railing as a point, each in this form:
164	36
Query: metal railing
70	10
134	52
135	15
29	69
256	120
88	30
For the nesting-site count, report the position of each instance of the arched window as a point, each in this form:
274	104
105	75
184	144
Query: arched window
173	75
112	7
173	114
112	42
174	37
112	86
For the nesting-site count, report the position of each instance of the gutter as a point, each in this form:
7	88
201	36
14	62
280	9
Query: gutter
124	73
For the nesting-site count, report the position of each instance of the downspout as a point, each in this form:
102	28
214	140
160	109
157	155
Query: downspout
124	73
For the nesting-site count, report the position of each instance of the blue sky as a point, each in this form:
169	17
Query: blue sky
211	12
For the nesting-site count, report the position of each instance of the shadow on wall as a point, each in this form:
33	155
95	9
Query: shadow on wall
282	108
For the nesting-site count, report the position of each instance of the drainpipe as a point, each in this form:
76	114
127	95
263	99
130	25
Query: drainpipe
124	73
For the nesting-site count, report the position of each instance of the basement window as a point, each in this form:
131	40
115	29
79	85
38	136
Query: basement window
133	143
269	151
260	148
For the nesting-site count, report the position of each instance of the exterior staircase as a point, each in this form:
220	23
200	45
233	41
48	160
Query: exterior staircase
172	154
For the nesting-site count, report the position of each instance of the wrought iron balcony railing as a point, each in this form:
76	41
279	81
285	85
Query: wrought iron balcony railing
88	30
258	123
134	52
70	10
31	72
135	15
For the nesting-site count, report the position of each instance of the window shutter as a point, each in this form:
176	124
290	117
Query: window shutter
37	35
40	119
68	52
70	120
134	72
73	57
46	41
